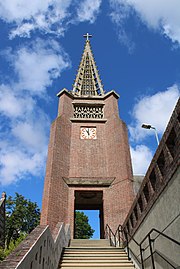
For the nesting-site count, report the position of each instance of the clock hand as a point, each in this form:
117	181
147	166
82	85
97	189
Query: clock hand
87	130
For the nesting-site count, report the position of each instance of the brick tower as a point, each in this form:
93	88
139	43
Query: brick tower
88	165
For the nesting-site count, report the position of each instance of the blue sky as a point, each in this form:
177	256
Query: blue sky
136	45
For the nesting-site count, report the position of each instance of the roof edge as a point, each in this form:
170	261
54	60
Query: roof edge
64	90
112	92
72	95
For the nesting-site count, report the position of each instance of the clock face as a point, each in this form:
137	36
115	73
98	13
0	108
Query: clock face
88	133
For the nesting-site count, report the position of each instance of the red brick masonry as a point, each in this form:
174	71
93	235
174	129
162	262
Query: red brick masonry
69	156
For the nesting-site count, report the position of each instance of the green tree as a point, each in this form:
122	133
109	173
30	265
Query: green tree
13	244
83	229
22	216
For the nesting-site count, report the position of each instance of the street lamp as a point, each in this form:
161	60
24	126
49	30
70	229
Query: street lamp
148	126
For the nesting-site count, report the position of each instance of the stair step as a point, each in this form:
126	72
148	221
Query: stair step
95	267
80	259
86	254
101	265
95	260
95	250
83	241
89	243
108	249
95	257
92	254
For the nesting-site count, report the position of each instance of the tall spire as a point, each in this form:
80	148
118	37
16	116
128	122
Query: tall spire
87	82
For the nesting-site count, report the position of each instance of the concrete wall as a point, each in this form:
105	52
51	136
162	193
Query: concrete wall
157	204
40	250
165	217
137	181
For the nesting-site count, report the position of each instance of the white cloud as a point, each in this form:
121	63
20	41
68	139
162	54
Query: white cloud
155	110
37	65
14	106
24	155
23	30
48	16
160	15
16	164
120	13
18	10
141	157
88	10
23	138
24	124
32	133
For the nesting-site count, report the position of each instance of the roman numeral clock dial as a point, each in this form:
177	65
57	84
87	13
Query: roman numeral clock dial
88	133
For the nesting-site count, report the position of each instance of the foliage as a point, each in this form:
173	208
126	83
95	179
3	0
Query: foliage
2	254
12	245
83	229
22	216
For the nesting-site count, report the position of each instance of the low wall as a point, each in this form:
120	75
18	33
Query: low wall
165	217
2	219
157	204
40	250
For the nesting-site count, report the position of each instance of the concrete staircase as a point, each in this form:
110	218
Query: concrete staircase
95	254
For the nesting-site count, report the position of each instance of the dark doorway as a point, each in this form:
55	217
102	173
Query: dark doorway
91	200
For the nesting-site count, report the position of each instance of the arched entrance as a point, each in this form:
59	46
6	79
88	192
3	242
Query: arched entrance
90	200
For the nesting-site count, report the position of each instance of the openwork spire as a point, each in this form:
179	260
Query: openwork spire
87	82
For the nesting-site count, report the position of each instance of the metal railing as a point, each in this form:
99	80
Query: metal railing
121	238
110	235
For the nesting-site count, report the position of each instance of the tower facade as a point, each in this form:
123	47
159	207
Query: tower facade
88	164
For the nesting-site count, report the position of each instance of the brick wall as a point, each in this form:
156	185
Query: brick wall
55	197
71	157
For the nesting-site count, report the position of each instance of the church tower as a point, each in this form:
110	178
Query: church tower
88	164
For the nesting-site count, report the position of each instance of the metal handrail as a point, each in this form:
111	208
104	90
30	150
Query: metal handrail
127	237
150	240
115	238
163	234
117	234
109	234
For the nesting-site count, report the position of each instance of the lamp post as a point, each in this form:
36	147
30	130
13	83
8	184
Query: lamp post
148	126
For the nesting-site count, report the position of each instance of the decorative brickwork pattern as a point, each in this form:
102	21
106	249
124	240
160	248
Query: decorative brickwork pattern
89	112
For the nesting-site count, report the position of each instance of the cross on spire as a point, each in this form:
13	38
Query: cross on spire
87	36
